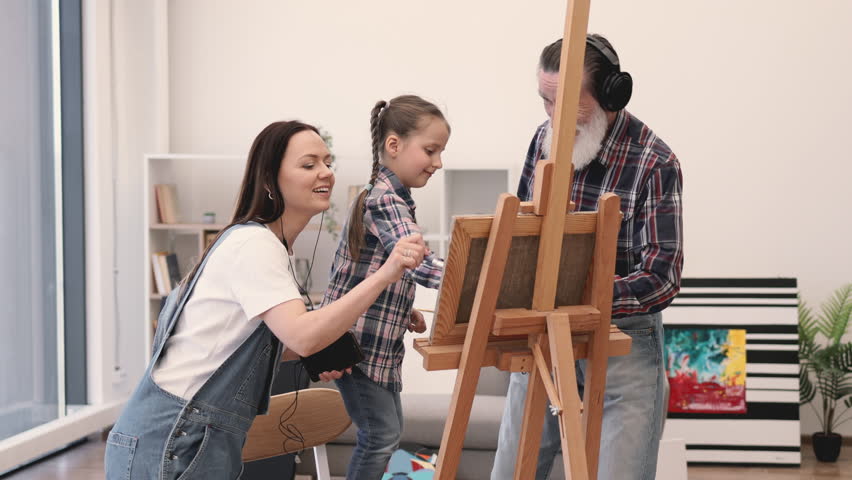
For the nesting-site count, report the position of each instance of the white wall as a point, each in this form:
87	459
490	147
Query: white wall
752	96
122	123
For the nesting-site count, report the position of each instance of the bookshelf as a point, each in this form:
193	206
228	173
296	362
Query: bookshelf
202	184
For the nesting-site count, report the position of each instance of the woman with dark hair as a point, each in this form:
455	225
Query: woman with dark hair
220	335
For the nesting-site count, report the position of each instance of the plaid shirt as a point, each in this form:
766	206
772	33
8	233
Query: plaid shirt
636	165
388	217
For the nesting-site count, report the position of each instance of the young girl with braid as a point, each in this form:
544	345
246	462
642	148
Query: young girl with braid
409	134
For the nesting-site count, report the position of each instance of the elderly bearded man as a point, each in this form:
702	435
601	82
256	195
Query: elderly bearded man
613	152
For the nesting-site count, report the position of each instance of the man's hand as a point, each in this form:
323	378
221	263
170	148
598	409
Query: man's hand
416	322
333	375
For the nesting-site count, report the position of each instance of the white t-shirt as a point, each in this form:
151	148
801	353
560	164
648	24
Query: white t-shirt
246	275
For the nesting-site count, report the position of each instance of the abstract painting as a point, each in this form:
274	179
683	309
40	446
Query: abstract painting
706	370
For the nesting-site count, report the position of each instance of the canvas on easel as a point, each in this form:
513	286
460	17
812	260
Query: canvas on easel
468	242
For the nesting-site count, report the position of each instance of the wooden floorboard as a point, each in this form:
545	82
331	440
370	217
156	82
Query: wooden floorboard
85	462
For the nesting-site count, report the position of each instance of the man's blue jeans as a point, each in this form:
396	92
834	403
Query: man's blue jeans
377	412
633	411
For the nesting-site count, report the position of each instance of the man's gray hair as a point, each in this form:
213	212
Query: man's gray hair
594	61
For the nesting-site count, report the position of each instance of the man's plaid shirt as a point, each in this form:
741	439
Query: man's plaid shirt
639	167
388	217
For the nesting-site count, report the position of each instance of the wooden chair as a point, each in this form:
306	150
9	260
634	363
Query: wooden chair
318	415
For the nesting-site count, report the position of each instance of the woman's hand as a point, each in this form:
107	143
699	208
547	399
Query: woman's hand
309	332
408	253
416	322
333	375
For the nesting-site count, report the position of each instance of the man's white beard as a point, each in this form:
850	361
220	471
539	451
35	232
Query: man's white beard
587	143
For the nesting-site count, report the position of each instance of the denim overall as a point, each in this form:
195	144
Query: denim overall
162	436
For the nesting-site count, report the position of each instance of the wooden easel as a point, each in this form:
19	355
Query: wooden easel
543	337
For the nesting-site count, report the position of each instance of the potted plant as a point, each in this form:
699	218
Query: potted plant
329	222
825	366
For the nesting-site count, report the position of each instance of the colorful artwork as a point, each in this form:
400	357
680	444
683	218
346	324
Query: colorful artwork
404	465
706	370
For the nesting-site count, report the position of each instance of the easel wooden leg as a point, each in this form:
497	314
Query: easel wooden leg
533	423
593	396
476	338
609	221
570	424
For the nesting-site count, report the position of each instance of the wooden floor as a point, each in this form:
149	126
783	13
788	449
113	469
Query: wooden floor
85	462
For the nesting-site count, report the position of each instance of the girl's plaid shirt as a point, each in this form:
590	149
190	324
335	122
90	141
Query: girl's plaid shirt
388	217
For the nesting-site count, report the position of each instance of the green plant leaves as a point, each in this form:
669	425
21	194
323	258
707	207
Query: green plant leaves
835	314
827	361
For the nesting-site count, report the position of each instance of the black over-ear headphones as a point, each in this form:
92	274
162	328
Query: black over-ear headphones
612	86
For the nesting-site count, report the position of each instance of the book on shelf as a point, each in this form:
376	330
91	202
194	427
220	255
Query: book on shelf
165	271
166	195
157	270
210	237
174	269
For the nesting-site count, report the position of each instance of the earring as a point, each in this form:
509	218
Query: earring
269	194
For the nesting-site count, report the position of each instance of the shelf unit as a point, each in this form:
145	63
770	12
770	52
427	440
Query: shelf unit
203	183
459	191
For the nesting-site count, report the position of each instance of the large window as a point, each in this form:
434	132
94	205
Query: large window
40	173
